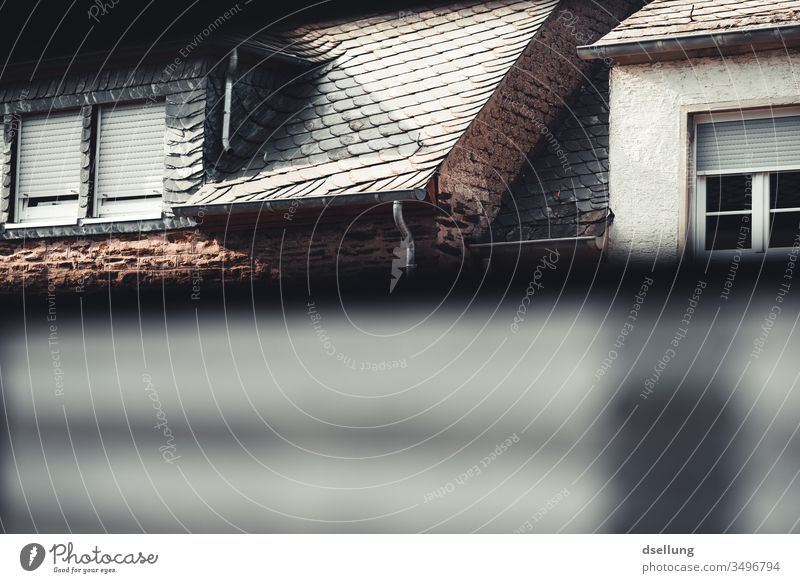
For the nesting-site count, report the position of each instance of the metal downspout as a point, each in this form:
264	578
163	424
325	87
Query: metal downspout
407	242
233	63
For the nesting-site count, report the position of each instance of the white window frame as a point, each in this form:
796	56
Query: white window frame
18	199
96	201
760	211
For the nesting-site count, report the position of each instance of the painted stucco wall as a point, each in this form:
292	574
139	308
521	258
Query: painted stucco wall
649	153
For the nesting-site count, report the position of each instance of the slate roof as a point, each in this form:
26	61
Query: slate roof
565	192
678	18
307	49
384	113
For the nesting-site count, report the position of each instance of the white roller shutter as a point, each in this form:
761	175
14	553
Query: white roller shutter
49	170
130	160
751	144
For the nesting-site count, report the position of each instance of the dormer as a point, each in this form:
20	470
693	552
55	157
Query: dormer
93	144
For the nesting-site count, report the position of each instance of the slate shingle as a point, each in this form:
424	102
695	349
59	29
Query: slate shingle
676	18
407	88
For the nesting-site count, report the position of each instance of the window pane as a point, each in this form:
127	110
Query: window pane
729	193
784	228
728	232
784	190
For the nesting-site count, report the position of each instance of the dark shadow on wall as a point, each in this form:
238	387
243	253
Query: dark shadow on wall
11	308
677	460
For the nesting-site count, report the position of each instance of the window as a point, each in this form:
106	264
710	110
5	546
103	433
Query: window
49	168
130	160
128	163
748	182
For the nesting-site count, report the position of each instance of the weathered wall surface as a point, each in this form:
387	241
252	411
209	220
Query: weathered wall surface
650	146
193	258
533	94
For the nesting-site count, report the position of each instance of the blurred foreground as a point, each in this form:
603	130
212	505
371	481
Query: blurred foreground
648	405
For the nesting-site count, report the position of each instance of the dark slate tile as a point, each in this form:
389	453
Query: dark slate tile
578	183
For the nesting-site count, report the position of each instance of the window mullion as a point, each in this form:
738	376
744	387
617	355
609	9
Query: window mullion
700	216
760	223
16	197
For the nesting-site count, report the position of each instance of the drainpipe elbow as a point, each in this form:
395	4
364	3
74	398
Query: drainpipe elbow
407	239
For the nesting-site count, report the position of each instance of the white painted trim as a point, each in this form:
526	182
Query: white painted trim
699	226
786	210
759	225
121	219
37	224
686	165
17	197
729	213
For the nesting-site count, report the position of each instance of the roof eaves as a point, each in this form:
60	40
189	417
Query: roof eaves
309	202
676	47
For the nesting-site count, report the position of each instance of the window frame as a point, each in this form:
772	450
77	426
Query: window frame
16	198
92	217
94	199
759	212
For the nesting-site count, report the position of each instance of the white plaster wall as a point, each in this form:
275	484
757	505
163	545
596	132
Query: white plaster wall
649	149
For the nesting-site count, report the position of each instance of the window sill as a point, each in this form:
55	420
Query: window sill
93	227
39	224
106	220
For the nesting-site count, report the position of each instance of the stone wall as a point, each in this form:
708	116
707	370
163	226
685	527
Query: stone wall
493	151
192	258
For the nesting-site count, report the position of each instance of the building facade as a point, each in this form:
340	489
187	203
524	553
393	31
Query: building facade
704	131
379	142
